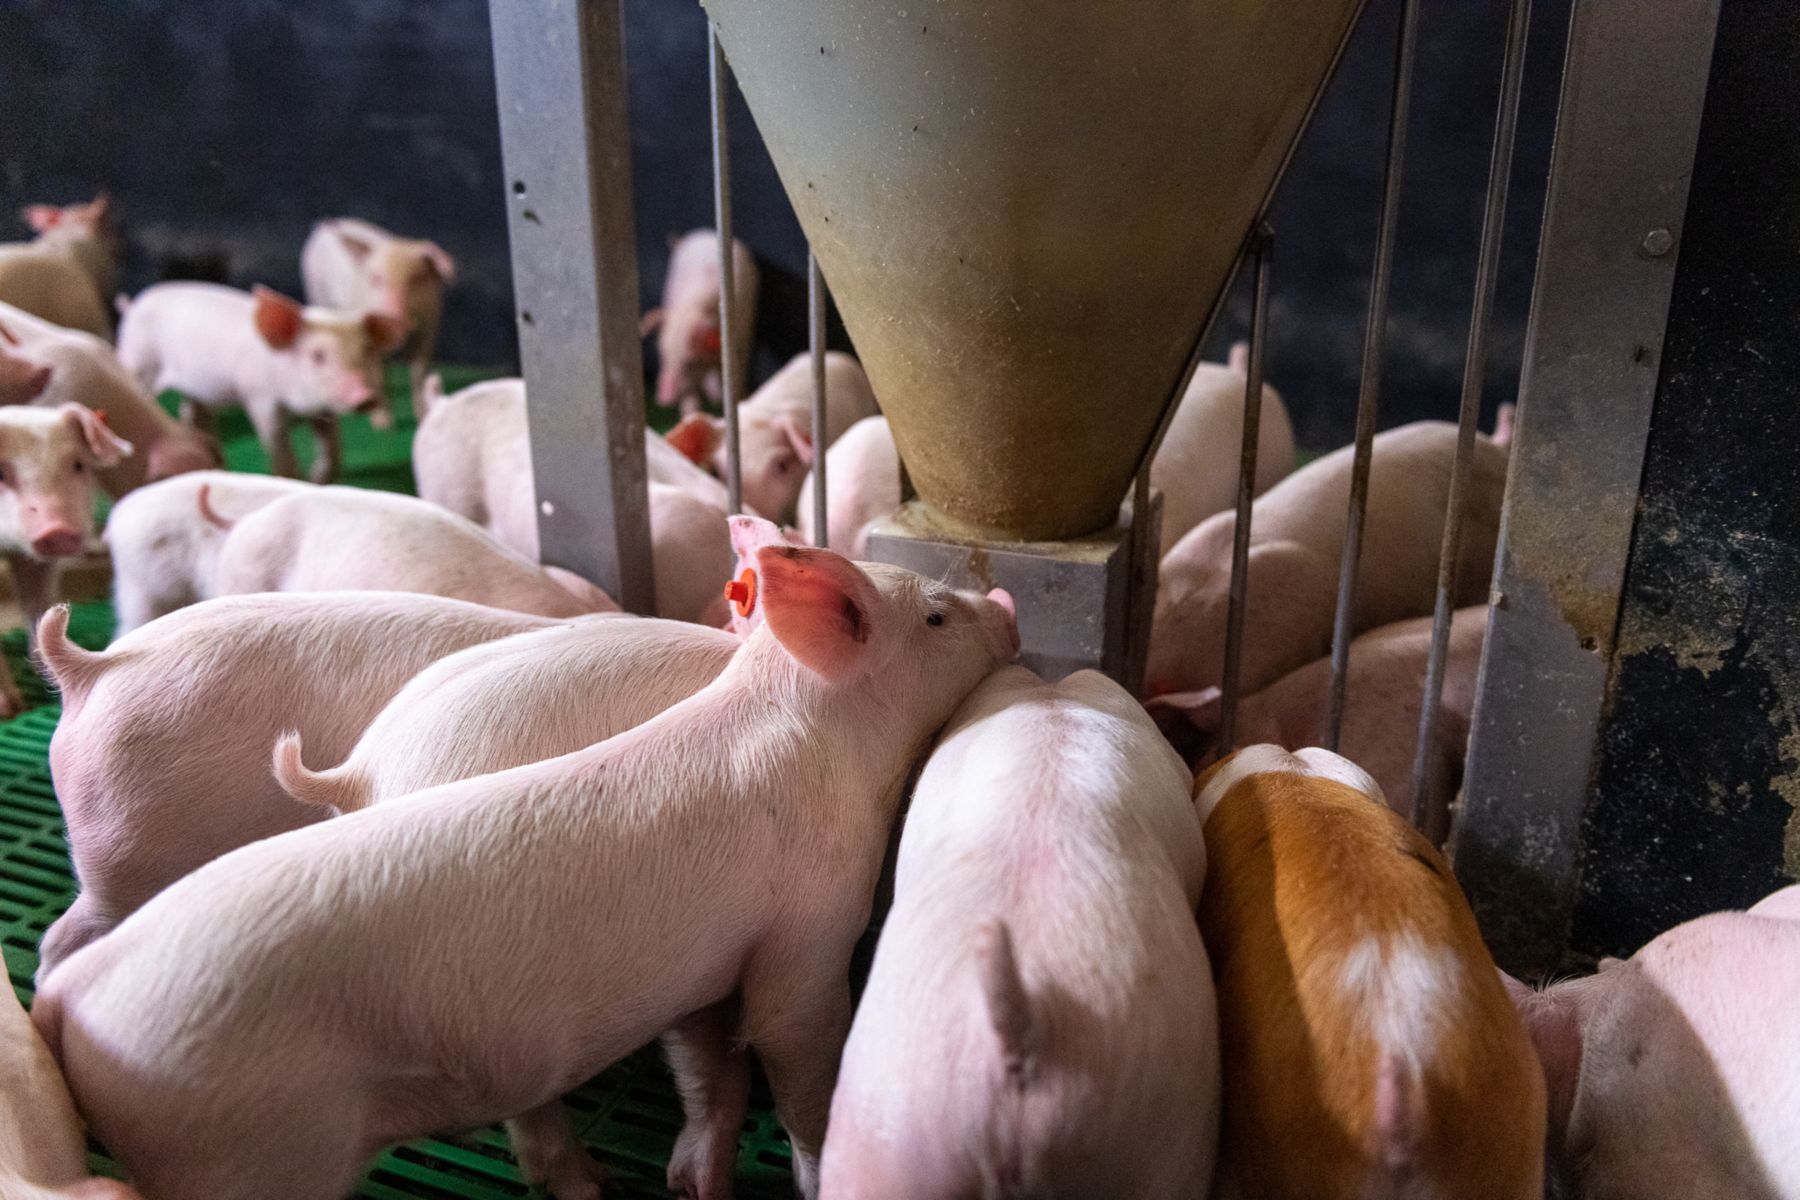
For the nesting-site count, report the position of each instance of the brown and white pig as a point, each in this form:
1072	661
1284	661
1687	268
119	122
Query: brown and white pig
219	346
472	455
1039	1020
687	325
1381	704
518	700
211	688
775	433
356	266
862	485
65	275
1369	1046
165	550
47	365
471	952
43	1149
1296	539
344	539
1675	1074
50	461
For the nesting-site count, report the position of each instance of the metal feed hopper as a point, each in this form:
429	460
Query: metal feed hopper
1026	211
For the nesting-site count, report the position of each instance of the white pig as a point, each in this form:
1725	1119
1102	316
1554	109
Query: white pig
473	951
862	485
1296	538
342	539
1381	704
687	324
65	275
45	364
165	552
1675	1074
43	1150
1039	1020
472	455
775	433
220	346
360	267
210	689
518	700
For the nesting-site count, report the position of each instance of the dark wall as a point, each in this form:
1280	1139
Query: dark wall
225	127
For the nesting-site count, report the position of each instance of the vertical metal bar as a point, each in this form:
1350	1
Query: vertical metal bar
1369	392
560	77
815	341
1263	246
1431	812
719	79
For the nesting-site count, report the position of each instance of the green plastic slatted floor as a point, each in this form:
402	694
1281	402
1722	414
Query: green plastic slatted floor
629	1116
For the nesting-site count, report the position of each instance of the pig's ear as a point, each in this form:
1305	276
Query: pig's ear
8	336
385	333
42	217
106	447
650	321
799	438
1553	1019
100	208
359	247
278	318
440	261
1201	708
818	606
748	534
697	436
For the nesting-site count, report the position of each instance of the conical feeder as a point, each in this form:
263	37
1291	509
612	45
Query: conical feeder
1025	210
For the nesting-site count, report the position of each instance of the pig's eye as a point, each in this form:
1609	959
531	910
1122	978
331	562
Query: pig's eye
782	466
80	467
318	357
934	619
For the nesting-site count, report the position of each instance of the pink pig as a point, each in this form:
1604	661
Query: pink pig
1675	1074
65	275
862	470
245	669
687	324
473	951
1039	1020
219	346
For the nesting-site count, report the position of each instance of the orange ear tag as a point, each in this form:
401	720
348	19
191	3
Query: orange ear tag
742	592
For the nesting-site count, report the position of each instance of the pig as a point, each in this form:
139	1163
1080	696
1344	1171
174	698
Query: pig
1369	1046
1039	1020
355	266
218	346
43	1150
1672	1075
472	455
165	552
208	690
518	700
688	344
862	480
50	459
1296	538
45	364
1381	704
775	433
472	951
342	539
66	274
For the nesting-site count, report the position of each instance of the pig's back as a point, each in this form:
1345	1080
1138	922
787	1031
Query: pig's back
51	285
472	455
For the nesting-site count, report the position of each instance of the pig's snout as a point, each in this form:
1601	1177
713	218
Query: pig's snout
358	397
1009	617
58	541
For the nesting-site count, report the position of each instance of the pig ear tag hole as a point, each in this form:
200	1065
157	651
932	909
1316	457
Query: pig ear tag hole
742	592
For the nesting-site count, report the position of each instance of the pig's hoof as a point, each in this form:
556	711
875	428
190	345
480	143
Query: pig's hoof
381	418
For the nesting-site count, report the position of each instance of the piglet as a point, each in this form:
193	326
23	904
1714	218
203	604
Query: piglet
862	486
219	346
473	951
65	275
48	365
246	669
43	1150
687	325
325	539
1039	1020
1369	1048
1296	539
1675	1074
357	266
776	437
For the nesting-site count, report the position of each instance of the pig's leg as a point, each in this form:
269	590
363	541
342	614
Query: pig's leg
419	365
713	1076
797	1018
34	581
551	1157
272	431
327	449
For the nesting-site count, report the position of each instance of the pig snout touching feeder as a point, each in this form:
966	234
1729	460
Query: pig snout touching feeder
1027	213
